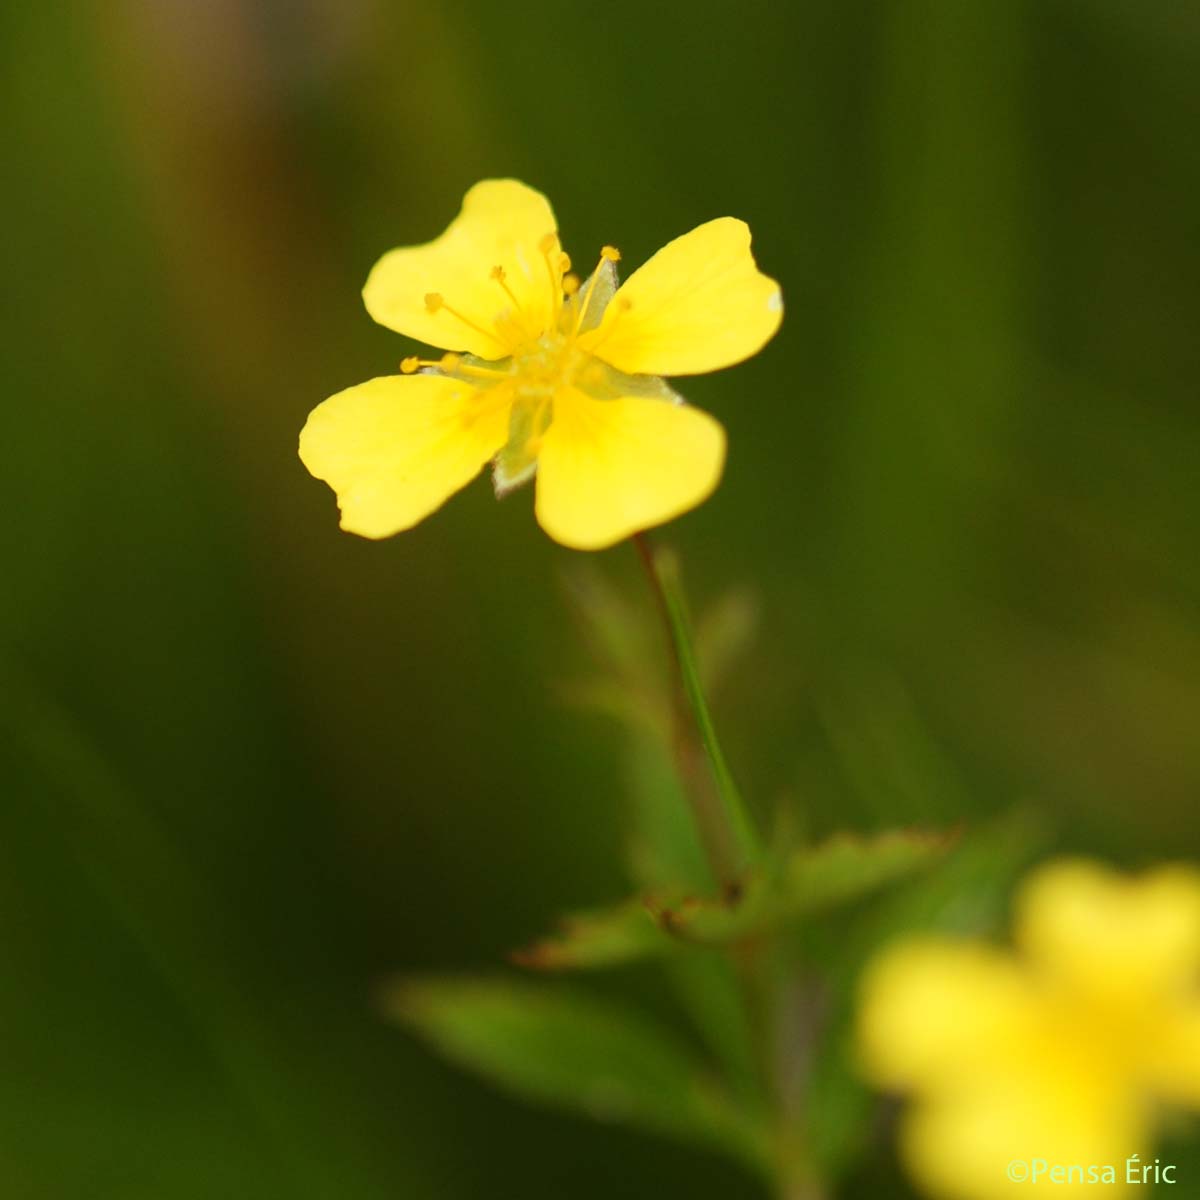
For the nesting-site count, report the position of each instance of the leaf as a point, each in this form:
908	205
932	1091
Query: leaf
964	893
575	1052
840	870
724	632
843	869
598	938
846	867
627	654
631	682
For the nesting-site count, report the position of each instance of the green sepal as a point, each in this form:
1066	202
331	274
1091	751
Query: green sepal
597	289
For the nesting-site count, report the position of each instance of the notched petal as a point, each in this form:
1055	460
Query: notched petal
699	304
609	468
395	448
493	276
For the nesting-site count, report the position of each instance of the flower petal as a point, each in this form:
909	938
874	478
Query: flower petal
609	468
503	224
1129	941
394	448
699	304
964	1145
935	1010
1173	1054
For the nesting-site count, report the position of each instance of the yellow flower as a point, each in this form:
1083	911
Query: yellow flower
544	374
1057	1055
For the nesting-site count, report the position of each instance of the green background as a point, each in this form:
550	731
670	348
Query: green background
252	766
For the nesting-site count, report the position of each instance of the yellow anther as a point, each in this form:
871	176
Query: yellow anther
409	366
607	254
497	273
450	362
433	301
548	243
564	262
570	284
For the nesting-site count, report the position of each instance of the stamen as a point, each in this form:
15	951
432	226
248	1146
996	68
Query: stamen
570	284
449	364
452	364
501	277
434	303
547	246
413	364
607	254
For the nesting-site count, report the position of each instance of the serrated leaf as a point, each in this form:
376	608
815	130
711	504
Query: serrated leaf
843	869
599	938
964	893
840	870
575	1052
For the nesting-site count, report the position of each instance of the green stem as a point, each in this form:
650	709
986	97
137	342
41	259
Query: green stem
731	843
726	829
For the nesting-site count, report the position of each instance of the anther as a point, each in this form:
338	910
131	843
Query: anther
564	262
547	243
570	284
433	301
497	273
607	254
409	366
450	362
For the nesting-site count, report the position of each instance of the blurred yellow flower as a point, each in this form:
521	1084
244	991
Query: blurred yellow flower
1043	1067
545	374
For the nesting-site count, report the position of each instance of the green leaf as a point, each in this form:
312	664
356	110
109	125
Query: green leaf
843	869
598	938
963	893
573	1051
724	632
840	870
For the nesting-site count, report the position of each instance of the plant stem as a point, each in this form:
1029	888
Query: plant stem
731	843
726	829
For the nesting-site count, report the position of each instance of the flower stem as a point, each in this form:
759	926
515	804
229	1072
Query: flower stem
728	834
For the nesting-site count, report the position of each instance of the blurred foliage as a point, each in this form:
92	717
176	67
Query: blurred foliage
567	1049
251	765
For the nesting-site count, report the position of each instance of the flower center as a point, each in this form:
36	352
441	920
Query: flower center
544	357
550	362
